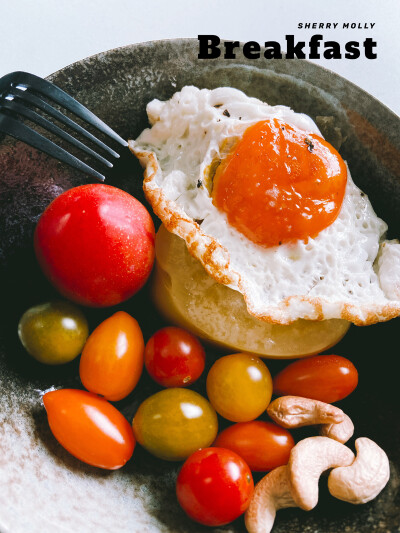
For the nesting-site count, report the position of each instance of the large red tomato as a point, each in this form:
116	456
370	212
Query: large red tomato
95	243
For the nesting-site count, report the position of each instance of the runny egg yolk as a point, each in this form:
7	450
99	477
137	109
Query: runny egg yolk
279	184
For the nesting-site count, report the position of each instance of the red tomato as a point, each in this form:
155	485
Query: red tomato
174	357
214	486
112	358
328	378
89	427
263	445
95	243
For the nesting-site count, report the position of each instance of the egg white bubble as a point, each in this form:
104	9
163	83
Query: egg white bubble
334	275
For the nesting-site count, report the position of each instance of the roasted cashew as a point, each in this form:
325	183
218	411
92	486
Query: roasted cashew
295	412
363	480
308	459
272	493
341	432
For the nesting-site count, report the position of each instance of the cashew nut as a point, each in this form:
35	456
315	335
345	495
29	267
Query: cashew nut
363	480
295	412
341	432
272	493
308	459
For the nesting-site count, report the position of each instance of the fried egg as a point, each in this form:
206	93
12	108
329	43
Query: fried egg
268	207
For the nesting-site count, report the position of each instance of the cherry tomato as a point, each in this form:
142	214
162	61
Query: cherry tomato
95	243
328	378
262	445
174	357
173	423
214	486
112	359
53	333
239	387
89	427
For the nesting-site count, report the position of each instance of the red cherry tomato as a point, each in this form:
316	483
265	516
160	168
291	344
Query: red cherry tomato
112	358
174	357
262	445
95	243
89	427
328	378
214	486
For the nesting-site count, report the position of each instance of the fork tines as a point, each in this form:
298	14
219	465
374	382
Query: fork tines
21	93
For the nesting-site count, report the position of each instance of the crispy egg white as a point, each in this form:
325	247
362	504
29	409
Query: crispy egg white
333	275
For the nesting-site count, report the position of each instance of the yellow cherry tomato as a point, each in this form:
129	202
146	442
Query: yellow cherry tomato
174	423
113	356
239	387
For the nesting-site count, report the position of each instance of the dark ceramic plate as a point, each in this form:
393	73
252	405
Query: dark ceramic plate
42	488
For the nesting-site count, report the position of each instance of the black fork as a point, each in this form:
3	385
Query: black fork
21	94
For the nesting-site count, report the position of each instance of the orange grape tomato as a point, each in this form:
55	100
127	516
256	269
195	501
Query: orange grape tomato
262	445
328	378
112	359
239	387
89	427
280	183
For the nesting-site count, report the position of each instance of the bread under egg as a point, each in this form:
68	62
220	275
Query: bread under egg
336	274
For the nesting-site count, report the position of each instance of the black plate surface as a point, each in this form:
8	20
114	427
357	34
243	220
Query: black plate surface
44	489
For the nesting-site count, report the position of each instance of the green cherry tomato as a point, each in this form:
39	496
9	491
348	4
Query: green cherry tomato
53	333
239	387
174	423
